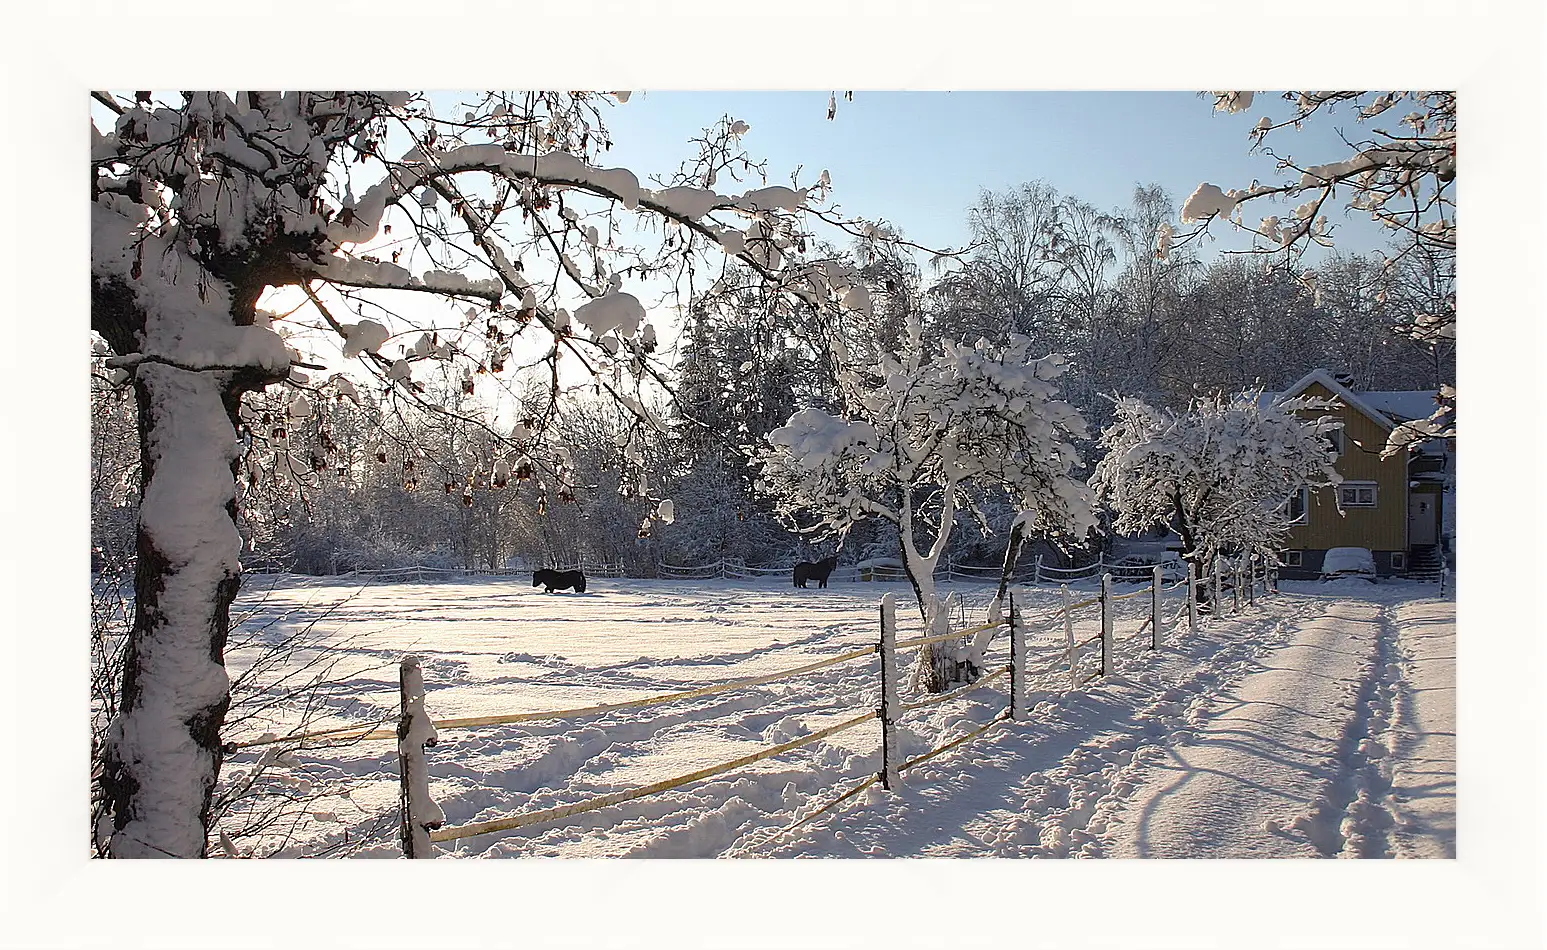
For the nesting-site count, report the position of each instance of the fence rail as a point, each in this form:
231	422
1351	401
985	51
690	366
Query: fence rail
730	568
422	821
512	822
362	733
734	569
421	845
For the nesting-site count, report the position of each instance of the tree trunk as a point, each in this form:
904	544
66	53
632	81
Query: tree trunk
164	753
1190	553
930	671
1012	554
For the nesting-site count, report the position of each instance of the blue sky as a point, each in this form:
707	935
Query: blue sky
920	159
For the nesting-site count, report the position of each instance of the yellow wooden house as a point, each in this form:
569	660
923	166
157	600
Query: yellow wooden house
1392	506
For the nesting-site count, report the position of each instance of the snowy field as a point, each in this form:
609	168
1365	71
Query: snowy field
1319	722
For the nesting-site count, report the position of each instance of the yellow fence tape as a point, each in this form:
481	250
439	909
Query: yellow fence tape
339	734
781	832
615	798
1142	590
373	732
920	760
471	721
367	732
942	637
956	693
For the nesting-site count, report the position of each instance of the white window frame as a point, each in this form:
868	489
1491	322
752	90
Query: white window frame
1304	494
1294	559
1399	560
1356	488
1339	443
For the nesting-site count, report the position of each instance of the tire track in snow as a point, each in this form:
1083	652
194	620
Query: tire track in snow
1422	733
1363	784
1067	809
1044	788
1274	771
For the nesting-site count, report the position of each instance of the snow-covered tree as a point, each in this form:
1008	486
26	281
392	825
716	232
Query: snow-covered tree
1400	170
916	434
239	239
1221	474
1148	307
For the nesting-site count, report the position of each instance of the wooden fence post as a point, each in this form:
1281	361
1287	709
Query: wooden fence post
1106	623
1074	681
1036	575
1251	582
1192	597
418	813
1155	610
891	705
1017	663
1235	590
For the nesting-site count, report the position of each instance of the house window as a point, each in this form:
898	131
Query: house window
1293	559
1357	494
1398	561
1335	438
1298	507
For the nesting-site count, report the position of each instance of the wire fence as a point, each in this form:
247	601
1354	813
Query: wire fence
422	823
1130	569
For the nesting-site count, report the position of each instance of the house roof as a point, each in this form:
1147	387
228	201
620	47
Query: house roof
1389	409
1345	395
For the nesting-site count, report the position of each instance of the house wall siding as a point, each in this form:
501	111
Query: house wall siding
1382	528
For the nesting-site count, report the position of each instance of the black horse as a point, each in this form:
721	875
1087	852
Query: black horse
559	580
815	571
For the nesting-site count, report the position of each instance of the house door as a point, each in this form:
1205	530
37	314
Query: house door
1422	519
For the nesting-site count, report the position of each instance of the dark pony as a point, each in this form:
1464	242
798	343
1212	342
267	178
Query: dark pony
815	571
559	580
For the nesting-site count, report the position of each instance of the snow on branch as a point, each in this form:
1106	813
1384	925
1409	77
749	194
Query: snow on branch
1401	173
557	169
922	430
378	275
1441	424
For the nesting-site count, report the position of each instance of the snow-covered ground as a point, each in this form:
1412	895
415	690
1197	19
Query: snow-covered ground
1318	722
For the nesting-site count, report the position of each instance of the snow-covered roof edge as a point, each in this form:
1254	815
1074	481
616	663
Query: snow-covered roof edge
1405	405
1343	393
